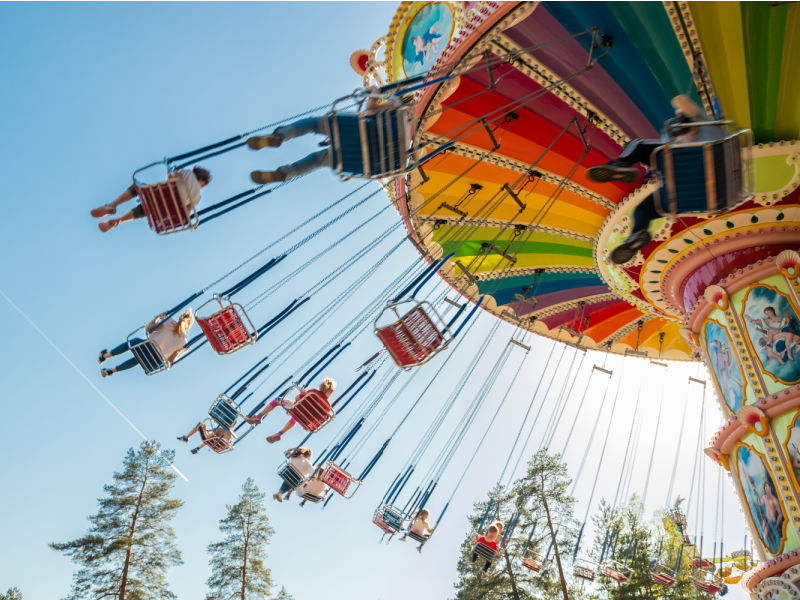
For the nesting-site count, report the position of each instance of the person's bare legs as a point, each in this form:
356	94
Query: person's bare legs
111	207
110	224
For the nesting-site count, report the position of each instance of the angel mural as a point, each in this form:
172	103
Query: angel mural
774	331
725	364
426	37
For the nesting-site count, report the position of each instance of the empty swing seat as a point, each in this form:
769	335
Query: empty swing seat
312	410
149	356
224	412
583	571
378	519
389	518
617	571
290	475
340	480
707	582
415	337
532	564
229	328
703	177
369	144
662	575
164	206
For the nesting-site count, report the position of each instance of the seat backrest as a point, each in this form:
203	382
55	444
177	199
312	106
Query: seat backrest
704	177
312	411
226	330
412	339
312	497
369	144
224	412
164	207
219	445
149	357
485	551
417	537
337	478
290	475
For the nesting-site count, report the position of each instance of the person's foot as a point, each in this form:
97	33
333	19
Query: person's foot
102	357
183	438
273	438
402	539
628	249
613	171
257	142
419	549
102	211
106	373
195	450
277	497
267	176
106	226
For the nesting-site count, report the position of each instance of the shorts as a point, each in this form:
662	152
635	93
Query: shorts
138	212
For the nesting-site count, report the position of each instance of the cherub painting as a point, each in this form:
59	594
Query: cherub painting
725	364
774	331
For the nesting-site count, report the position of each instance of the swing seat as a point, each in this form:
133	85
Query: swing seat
677	517
164	206
389	518
220	446
709	587
229	328
485	551
369	144
415	337
583	572
617	572
312	497
340	480
662	575
702	563
224	412
148	355
312	411
290	475
532	565
417	537
703	177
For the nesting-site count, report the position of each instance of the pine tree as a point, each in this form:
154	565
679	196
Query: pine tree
542	500
130	544
237	562
12	594
284	595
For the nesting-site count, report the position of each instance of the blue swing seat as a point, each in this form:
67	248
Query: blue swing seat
369	144
703	177
290	475
392	517
148	355
224	412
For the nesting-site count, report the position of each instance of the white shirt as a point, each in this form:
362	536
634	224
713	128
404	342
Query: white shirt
188	187
167	339
312	486
420	526
302	465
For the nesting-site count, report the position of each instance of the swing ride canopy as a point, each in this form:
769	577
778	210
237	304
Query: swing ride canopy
541	92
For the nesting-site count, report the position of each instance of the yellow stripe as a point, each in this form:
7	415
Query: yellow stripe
788	122
719	26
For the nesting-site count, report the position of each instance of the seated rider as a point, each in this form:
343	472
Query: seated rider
210	438
167	334
490	540
420	527
300	460
315	160
325	390
189	182
638	151
314	486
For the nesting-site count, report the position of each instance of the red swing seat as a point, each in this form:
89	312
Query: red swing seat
532	565
617	571
229	328
662	578
339	480
219	445
707	582
164	208
312	410
377	518
414	337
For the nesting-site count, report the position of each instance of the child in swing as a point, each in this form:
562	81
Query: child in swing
300	460
420	527
490	540
326	389
314	486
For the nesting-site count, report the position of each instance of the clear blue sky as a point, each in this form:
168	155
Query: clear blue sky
92	91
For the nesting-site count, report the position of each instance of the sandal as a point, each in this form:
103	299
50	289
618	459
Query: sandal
102	357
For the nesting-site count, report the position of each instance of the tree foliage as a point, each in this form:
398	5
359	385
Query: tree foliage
11	594
130	543
541	493
237	562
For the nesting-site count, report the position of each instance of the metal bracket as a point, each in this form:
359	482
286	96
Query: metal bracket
510	192
452	208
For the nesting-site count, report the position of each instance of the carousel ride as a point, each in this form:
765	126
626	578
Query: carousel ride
520	99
